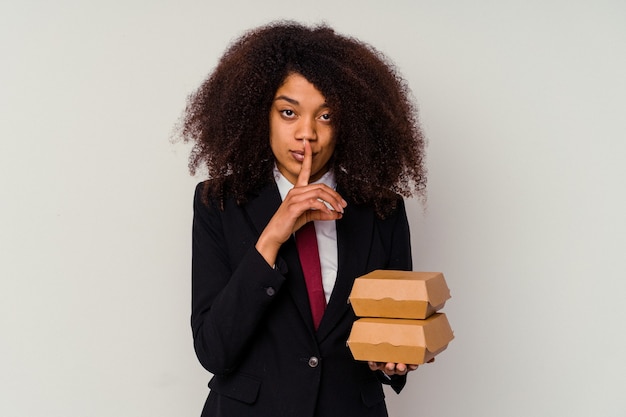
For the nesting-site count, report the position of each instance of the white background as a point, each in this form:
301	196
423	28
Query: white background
523	104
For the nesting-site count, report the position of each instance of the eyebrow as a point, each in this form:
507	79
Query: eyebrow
288	99
296	102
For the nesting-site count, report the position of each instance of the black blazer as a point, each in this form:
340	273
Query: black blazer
252	325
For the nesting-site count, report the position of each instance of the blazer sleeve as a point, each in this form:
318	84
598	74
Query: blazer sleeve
229	297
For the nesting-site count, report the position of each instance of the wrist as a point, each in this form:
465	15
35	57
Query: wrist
268	250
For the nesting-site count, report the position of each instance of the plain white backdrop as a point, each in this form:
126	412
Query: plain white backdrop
523	104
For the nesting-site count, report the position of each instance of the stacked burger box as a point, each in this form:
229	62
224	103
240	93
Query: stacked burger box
399	315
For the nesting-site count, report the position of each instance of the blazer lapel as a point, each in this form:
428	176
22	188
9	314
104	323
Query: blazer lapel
262	207
354	237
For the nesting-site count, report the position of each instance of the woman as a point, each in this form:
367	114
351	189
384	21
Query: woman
300	129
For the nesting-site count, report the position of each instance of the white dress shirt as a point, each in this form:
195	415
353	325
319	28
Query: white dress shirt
325	231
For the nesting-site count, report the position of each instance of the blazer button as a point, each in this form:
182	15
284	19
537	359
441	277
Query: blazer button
270	291
313	362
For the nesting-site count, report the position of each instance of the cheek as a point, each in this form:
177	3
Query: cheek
274	129
329	150
274	138
331	143
278	134
273	143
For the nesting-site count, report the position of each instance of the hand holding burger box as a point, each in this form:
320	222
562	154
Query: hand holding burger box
399	321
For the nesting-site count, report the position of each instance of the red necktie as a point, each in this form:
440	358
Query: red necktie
306	241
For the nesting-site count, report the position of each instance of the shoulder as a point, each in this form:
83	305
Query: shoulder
385	210
203	198
212	193
209	195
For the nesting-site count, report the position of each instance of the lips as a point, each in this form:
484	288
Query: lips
297	155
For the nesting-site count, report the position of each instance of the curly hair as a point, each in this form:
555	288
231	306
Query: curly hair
379	151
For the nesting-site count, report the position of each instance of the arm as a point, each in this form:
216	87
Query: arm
228	299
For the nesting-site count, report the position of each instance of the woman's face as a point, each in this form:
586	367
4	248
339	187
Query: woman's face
299	111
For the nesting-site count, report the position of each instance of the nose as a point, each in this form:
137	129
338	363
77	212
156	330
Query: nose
306	129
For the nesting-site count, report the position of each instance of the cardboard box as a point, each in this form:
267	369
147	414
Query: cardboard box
405	341
399	294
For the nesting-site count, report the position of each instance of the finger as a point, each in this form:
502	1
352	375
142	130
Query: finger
332	199
318	215
314	209
401	368
305	169
331	202
321	193
390	368
413	367
314	197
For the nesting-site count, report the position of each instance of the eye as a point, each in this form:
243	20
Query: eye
325	117
287	113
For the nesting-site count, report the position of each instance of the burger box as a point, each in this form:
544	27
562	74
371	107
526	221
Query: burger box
405	341
399	294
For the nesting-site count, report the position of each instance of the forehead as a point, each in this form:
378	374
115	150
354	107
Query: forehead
297	88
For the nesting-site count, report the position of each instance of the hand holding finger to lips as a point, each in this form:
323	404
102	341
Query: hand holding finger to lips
304	203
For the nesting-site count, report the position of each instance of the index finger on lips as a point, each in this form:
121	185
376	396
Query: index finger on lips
305	170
